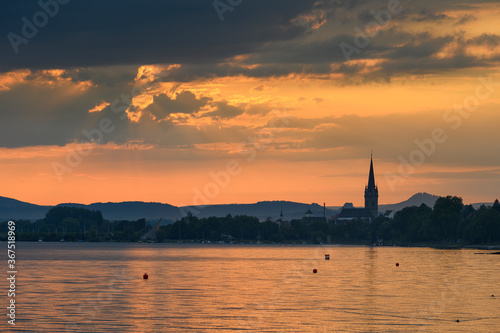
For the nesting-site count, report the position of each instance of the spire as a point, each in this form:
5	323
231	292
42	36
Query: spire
371	192
371	177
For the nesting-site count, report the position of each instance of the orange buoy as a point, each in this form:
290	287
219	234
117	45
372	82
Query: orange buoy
145	276
315	270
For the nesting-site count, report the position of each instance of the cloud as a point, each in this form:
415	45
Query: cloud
485	39
398	53
49	108
465	19
185	102
391	137
105	42
425	16
96	33
258	109
223	110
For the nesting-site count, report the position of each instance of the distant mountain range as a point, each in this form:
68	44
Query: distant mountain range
11	209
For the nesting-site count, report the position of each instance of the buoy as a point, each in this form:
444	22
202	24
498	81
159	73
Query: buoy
327	257
492	295
458	320
315	270
397	264
145	276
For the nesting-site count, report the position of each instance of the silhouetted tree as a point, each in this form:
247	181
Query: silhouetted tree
496	205
445	217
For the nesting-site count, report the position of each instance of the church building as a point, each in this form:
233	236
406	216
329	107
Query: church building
370	211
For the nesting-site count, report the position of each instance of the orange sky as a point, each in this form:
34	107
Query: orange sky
424	97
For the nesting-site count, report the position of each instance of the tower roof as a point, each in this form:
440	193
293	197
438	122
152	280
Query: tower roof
371	177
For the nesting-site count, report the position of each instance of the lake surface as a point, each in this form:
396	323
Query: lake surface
98	287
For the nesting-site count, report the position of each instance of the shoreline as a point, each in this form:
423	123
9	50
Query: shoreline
416	245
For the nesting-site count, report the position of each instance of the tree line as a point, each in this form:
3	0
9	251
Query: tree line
449	220
75	224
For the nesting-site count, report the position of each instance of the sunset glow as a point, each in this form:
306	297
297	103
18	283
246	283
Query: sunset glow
297	119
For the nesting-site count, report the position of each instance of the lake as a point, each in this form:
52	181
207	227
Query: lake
98	287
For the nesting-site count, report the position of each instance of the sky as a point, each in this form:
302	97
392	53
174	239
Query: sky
233	101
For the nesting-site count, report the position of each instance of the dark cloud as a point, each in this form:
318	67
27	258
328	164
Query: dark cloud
102	33
276	38
465	19
261	109
349	4
38	114
186	102
425	16
485	39
111	76
259	88
225	111
419	46
401	51
103	43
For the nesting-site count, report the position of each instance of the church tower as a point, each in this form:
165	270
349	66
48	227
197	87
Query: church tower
371	192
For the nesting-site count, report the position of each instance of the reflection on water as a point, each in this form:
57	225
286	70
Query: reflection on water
87	287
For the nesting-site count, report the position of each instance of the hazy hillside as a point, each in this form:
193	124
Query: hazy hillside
415	200
133	210
11	209
262	210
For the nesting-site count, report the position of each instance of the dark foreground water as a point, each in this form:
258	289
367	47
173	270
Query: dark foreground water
98	287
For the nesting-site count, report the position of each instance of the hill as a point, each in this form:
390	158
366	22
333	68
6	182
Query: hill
262	210
15	209
11	209
133	210
415	200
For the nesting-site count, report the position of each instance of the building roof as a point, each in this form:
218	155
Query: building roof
310	219
353	213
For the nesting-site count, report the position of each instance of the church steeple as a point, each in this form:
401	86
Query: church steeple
371	192
371	177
